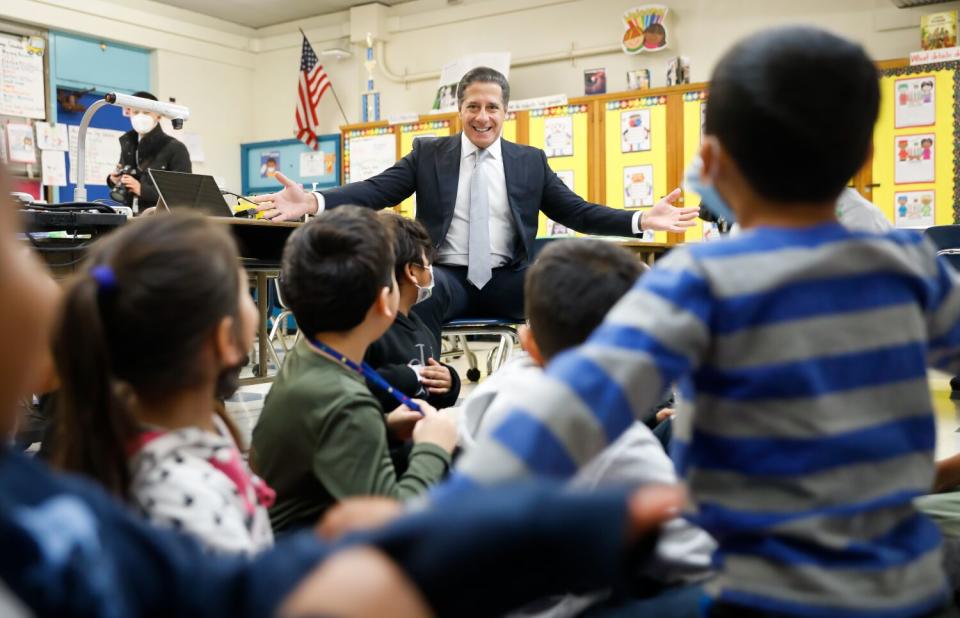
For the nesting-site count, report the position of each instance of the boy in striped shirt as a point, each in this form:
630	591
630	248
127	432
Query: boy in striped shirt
801	349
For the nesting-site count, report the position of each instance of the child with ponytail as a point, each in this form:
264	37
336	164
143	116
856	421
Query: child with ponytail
153	334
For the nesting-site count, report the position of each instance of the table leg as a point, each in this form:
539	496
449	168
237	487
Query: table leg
263	337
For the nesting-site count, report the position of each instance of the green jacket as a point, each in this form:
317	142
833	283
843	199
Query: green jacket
322	437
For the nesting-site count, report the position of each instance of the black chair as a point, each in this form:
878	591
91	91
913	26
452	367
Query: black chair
947	240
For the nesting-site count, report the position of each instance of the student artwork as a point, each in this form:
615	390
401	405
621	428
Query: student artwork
638	80
21	143
913	209
567	177
53	168
595	81
915	158
52	137
638	186
915	102
635	130
646	29
558	136
269	164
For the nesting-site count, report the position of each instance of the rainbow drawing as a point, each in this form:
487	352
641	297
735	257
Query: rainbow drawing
646	29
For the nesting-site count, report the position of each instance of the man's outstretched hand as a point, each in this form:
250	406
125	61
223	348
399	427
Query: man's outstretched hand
665	217
288	204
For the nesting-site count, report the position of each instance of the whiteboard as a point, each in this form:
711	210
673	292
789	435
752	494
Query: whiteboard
103	153
21	80
371	155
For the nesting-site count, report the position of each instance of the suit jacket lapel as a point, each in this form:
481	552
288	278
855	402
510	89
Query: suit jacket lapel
515	176
448	175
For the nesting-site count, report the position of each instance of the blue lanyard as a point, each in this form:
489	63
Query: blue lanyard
369	373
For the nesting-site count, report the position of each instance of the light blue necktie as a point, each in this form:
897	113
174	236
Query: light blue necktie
478	242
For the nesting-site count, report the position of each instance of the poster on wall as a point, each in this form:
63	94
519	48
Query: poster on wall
371	155
915	102
594	81
913	209
915	158
558	136
53	168
635	130
21	76
637	186
21	143
638	79
269	164
445	99
645	29
52	137
102	151
566	176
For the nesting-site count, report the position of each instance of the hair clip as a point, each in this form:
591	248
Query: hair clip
105	278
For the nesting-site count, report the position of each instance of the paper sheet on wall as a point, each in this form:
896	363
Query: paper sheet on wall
52	137
21	80
20	139
371	155
103	153
193	142
312	163
53	165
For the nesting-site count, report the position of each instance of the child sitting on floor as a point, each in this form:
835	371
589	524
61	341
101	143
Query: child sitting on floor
408	354
801	349
322	435
567	291
153	332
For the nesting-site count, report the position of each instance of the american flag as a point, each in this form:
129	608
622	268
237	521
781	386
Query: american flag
313	83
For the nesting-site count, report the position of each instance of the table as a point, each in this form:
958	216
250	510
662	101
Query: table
648	252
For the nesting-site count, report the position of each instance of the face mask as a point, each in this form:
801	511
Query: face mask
229	380
143	123
709	196
426	291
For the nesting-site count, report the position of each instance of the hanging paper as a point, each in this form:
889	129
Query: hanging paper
53	165
52	137
21	142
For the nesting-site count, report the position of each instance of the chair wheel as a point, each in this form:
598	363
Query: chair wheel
473	374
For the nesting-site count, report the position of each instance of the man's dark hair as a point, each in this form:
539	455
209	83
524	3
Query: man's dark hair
789	143
570	288
410	242
143	94
486	75
334	267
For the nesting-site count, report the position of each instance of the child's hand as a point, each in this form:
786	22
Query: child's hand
435	428
665	413
359	513
436	378
400	422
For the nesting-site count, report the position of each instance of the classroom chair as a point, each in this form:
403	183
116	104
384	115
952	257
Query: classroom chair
505	331
946	238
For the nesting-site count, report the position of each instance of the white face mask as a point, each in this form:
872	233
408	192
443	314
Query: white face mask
143	123
426	291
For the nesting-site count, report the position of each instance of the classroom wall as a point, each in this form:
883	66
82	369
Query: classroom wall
426	33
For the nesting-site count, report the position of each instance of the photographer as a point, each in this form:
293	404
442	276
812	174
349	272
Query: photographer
145	147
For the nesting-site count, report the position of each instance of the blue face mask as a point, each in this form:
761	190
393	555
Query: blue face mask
709	196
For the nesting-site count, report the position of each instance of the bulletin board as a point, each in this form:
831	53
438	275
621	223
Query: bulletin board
294	159
23	77
635	144
426	128
509	131
915	145
563	133
694	107
380	135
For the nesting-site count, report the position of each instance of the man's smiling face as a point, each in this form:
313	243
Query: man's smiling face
482	113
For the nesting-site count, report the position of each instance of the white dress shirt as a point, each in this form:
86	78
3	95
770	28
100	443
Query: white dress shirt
503	234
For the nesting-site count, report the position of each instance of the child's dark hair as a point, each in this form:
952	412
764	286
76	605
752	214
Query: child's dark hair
791	144
570	288
411	242
135	319
334	267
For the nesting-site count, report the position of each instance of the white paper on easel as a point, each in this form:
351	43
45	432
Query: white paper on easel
371	155
53	165
102	154
20	140
52	137
21	79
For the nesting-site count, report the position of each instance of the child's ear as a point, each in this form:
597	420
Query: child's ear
387	301
225	342
409	275
529	343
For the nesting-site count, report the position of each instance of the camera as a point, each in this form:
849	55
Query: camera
120	193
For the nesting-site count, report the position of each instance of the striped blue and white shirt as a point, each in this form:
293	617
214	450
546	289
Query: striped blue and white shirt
806	426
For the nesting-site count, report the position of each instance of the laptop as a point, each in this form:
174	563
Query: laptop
191	191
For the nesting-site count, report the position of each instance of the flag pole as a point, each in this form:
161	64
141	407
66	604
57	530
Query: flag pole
332	89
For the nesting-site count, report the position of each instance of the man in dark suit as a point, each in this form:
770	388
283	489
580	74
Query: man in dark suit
479	197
